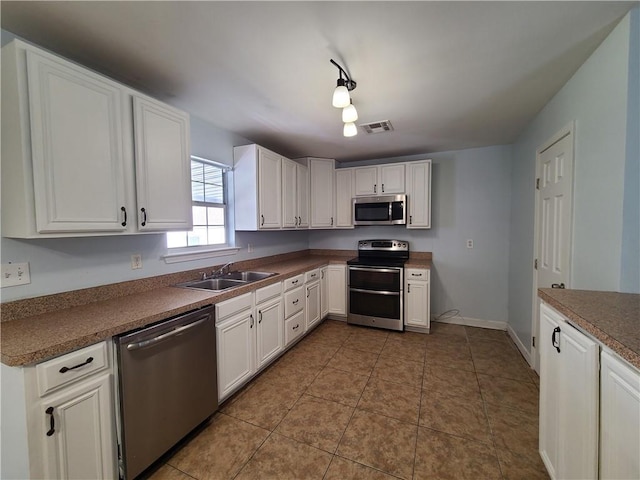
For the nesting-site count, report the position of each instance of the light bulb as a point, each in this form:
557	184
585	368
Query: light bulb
341	96
350	129
349	114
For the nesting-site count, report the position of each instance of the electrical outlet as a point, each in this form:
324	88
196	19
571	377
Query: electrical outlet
469	243
136	261
15	274
249	248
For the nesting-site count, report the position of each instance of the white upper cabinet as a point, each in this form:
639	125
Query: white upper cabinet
419	194
322	197
344	196
295	194
68	152
162	166
379	180
257	181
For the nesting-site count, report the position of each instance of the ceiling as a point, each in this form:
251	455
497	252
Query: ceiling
448	75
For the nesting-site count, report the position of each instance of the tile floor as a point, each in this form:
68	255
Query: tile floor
356	403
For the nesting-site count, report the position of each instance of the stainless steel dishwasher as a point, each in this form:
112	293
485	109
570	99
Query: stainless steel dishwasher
167	385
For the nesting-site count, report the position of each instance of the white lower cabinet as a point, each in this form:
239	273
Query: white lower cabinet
417	298
568	398
619	419
294	328
269	330
337	290
324	292
313	303
235	346
77	431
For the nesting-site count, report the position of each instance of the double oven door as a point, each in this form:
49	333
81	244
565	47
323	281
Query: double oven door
375	296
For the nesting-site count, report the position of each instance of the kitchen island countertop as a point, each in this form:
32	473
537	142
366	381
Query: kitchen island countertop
612	318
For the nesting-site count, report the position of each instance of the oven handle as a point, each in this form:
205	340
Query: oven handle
376	269
374	292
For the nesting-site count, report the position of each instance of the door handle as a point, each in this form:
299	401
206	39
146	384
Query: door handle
251	321
52	422
557	285
144	216
172	333
383	188
553	338
124	221
408	288
86	362
259	316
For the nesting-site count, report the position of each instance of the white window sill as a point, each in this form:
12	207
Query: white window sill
188	254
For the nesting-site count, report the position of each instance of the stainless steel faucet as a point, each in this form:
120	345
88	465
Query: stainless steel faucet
221	270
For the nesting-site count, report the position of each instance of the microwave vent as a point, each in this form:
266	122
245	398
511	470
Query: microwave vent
377	127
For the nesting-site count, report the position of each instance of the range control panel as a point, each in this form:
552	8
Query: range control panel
383	245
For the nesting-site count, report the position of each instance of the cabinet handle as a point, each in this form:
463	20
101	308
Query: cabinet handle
144	216
321	273
86	362
375	188
553	338
259	316
295	223
410	219
251	321
332	221
294	282
383	188
124	210
416	274
408	288
52	422
308	291
557	285
297	325
295	302
261	220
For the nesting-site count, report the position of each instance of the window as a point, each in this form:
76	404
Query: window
208	194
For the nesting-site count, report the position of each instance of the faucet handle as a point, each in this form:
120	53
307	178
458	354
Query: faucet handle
203	275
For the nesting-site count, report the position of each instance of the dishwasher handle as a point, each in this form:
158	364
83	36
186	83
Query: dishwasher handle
164	336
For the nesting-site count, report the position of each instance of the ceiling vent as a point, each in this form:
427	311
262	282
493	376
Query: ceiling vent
377	127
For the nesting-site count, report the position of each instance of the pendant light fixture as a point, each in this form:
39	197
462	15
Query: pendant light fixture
342	99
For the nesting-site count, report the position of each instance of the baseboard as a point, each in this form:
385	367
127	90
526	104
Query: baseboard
523	350
473	322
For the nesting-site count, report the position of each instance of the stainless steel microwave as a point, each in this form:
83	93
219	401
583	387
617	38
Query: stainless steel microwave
382	210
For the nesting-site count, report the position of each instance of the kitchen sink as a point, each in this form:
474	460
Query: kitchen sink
248	276
230	280
215	284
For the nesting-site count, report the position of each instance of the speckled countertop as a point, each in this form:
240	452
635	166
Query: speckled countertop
610	317
49	329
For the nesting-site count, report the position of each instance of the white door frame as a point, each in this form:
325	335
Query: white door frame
568	129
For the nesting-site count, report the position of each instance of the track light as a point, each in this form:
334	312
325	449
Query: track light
342	99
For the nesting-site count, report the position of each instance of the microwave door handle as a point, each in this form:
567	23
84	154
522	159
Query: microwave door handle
390	211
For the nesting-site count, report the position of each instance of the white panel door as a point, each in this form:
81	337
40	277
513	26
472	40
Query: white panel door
391	179
77	431
302	195
289	194
76	143
417	304
337	285
269	331
321	192
344	198
313	304
269	190
235	346
619	419
324	292
163	167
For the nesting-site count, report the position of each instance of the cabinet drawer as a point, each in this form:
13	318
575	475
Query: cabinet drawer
70	367
293	301
266	293
293	328
232	306
312	275
417	274
293	282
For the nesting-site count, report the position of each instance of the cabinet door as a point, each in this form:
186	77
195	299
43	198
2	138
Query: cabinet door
269	190
234	340
419	194
81	421
321	190
549	389
417	304
302	195
578	421
313	304
391	179
337	289
289	194
344	197
269	331
324	293
76	146
163	170
365	180
619	419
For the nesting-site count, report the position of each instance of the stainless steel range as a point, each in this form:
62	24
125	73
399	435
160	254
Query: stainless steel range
376	280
